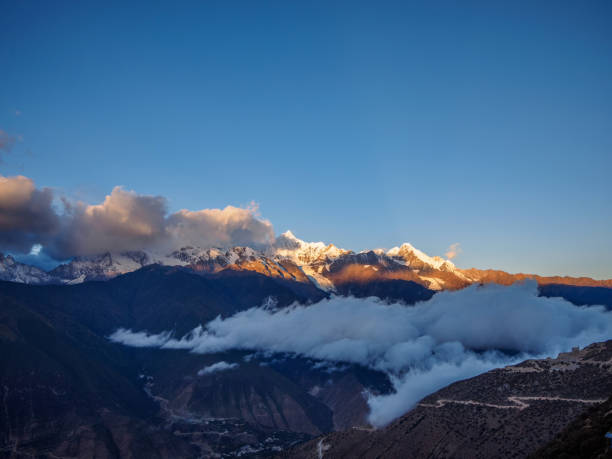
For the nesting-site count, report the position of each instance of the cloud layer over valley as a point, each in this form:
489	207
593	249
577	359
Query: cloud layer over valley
453	336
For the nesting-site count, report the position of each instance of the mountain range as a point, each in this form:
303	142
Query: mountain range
67	390
325	266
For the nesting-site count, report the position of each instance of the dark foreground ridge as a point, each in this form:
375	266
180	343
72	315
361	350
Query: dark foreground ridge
508	412
584	437
67	391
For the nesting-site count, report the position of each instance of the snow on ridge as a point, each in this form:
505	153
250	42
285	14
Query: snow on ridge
407	248
302	252
313	258
14	271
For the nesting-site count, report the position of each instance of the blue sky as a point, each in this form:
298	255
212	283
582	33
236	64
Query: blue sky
363	124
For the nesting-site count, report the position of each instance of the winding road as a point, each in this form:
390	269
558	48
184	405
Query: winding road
518	402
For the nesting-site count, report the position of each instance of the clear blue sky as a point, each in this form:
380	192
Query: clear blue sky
365	124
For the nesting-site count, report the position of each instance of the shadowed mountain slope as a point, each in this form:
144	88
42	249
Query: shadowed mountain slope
508	412
584	437
157	298
69	392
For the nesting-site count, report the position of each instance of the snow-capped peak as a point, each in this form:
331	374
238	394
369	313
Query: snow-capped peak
290	236
289	246
100	267
408	253
12	270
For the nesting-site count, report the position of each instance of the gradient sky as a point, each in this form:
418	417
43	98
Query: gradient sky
363	124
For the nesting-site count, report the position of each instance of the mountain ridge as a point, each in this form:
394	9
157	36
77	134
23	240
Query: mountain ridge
325	266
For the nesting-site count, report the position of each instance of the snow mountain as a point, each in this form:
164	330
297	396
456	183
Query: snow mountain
13	271
326	266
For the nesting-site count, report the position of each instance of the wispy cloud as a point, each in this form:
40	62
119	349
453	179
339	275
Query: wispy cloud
453	250
216	367
7	142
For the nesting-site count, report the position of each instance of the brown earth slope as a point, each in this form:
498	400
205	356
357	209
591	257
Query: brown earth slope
506	413
486	276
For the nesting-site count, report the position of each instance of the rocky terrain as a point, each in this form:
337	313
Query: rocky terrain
508	412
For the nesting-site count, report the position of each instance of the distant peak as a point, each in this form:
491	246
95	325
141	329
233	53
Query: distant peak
288	241
289	234
397	251
407	250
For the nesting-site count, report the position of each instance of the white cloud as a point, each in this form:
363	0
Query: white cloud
452	336
140	339
216	367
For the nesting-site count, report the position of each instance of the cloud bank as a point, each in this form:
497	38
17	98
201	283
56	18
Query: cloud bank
124	221
452	336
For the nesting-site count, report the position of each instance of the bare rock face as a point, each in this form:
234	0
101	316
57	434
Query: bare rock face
508	412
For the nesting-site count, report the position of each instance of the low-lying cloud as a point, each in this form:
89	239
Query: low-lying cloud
453	336
124	221
217	367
